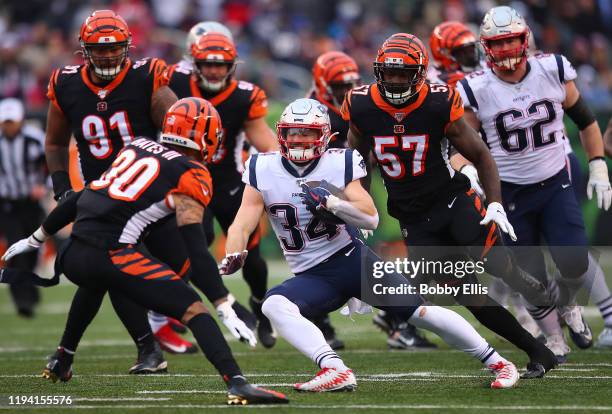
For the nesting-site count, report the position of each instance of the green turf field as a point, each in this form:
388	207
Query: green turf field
389	381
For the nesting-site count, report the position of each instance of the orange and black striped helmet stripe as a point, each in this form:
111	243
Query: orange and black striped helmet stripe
445	38
104	27
194	119
214	46
404	46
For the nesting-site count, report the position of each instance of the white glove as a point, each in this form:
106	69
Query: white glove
599	181
470	172
496	213
234	324
357	306
25	245
232	262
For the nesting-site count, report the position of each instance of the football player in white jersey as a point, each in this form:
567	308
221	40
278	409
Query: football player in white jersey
313	227
518	104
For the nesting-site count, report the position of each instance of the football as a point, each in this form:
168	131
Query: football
327	216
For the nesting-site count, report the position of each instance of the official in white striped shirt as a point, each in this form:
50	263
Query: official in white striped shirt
22	186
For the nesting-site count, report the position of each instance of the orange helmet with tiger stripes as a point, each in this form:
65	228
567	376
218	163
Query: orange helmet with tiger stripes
335	73
402	55
193	123
214	48
104	29
454	46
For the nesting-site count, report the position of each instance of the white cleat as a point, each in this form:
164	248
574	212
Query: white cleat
506	375
329	379
558	346
579	329
604	340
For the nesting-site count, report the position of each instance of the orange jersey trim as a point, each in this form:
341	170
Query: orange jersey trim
111	86
390	109
259	104
217	99
195	183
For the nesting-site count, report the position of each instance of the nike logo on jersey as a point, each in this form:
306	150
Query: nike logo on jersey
234	191
349	252
564	186
452	202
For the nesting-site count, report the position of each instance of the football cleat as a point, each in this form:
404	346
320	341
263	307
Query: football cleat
265	332
604	340
408	337
579	330
402	335
150	360
240	392
506	375
177	326
170	341
557	344
329	333
59	366
540	362
329	379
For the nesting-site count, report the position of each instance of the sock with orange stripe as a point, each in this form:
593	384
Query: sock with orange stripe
213	344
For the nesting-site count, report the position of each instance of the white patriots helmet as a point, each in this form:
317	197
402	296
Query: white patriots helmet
504	22
206	27
303	114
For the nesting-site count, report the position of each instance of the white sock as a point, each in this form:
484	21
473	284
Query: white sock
455	331
599	290
157	320
499	291
286	318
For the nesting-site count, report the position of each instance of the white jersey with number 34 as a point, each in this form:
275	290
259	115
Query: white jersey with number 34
305	240
522	123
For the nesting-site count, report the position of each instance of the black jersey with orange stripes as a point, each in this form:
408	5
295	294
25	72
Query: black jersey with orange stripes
104	118
239	102
136	191
408	141
338	125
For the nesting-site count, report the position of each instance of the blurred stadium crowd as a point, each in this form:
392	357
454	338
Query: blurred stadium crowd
279	40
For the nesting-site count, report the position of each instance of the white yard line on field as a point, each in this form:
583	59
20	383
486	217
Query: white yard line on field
343	407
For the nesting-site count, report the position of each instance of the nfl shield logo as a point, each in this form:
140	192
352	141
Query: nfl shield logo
102	93
399	116
102	107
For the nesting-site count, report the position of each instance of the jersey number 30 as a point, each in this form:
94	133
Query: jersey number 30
128	178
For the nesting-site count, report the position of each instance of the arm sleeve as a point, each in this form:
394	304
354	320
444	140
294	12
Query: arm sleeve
565	69
158	73
467	95
51	89
258	104
249	175
62	215
357	165
195	183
